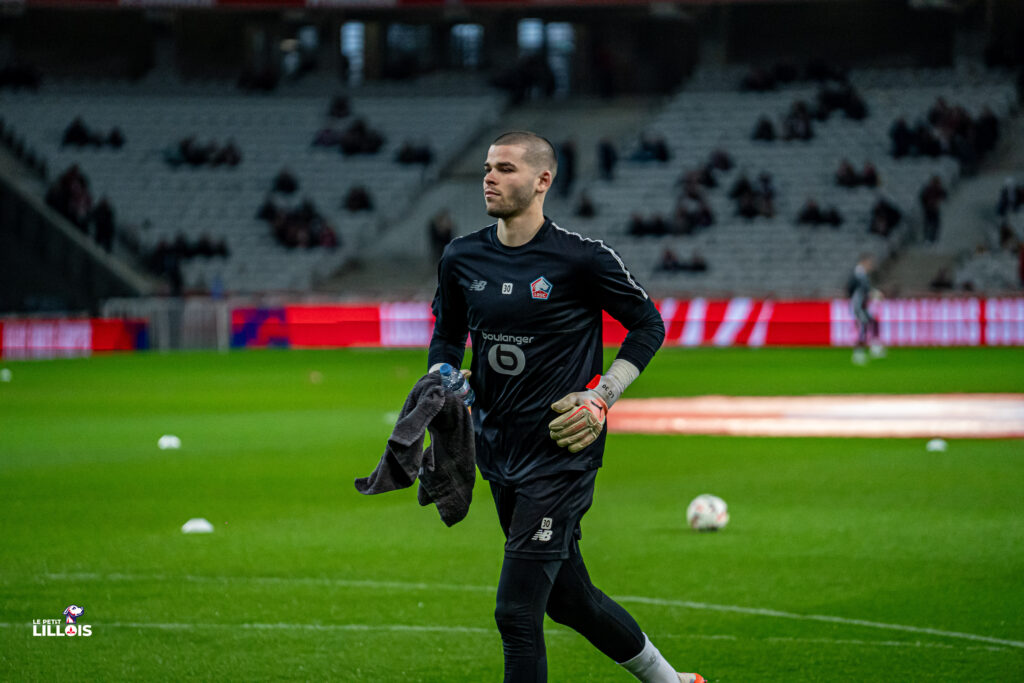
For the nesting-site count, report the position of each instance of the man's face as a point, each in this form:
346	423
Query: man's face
510	183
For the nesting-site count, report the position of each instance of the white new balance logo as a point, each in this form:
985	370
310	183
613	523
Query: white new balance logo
544	532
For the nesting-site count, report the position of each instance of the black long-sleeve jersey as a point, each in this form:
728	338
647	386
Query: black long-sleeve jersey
533	314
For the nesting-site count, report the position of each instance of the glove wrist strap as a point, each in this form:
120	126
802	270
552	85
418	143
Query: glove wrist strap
620	375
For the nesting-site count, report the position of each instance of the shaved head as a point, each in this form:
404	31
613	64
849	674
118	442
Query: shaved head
538	152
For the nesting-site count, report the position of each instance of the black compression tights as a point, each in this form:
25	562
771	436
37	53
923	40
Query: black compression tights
562	588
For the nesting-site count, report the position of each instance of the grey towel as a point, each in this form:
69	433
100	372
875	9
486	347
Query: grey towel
447	469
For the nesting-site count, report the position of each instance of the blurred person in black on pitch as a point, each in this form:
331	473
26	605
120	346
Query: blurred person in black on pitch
531	294
861	292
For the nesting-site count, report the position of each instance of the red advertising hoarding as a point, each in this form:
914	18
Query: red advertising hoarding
739	321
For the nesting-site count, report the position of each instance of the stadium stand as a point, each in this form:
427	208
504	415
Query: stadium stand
156	202
774	256
768	255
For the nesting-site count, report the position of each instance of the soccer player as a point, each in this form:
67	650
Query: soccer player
861	292
530	294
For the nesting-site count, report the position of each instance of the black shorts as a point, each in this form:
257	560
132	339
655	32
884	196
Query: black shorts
541	517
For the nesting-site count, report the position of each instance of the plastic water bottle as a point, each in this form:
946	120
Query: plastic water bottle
454	381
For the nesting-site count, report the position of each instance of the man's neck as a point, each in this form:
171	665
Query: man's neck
518	230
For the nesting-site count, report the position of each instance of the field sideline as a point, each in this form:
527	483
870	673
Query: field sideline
846	559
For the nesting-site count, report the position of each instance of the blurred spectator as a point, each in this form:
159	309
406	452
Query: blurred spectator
901	138
832	217
691	186
339	107
440	230
753	201
116	138
847	175
721	160
566	167
70	196
1011	197
411	153
669	262
228	155
758	80
885	216
812	214
637	225
358	199
267	211
697	263
103	223
950	130
77	134
741	186
701	215
932	196
764	130
651	148
641	227
705	176
869	175
206	246
987	127
797	124
942	281
285	182
840	96
166	260
1007	237
190	151
585	206
747	205
691	215
359	138
607	157
302	226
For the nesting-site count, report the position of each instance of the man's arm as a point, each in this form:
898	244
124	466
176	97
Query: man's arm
617	292
448	343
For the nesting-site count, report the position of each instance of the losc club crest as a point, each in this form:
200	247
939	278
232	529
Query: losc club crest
69	628
540	288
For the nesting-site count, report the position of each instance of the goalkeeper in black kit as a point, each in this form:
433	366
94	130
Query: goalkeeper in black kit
531	294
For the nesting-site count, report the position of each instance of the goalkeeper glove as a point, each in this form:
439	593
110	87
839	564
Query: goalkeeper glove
583	418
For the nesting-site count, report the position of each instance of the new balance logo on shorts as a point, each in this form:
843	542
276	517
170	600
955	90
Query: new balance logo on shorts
544	532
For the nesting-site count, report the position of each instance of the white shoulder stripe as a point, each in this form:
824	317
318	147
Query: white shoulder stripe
625	271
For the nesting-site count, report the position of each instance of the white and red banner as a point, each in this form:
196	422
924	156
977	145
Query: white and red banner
62	338
739	321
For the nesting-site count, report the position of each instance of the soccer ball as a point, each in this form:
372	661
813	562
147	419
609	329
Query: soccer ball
707	513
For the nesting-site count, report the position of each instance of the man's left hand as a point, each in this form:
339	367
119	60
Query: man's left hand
582	421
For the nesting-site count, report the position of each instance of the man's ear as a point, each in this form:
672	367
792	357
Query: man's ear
544	180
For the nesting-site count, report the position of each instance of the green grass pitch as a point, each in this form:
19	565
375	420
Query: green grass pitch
833	547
